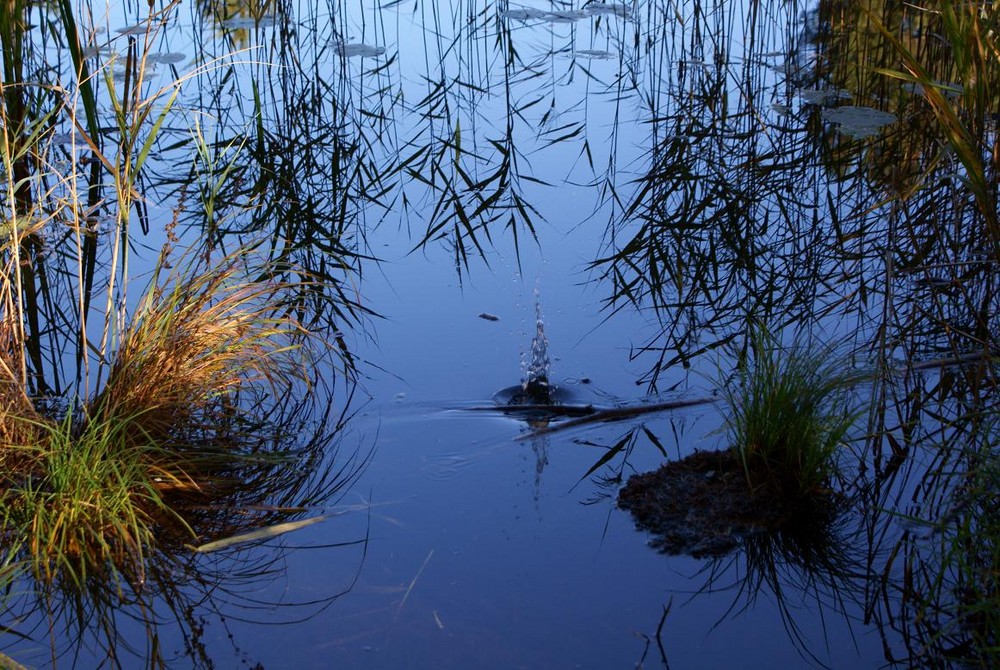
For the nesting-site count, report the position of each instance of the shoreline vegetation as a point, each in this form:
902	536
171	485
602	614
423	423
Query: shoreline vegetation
144	414
89	486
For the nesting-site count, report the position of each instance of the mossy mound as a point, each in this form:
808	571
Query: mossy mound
702	505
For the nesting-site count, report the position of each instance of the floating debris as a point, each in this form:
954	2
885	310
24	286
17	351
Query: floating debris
595	54
359	50
489	317
257	535
858	122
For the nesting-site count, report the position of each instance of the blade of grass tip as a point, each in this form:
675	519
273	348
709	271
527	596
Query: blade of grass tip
409	588
259	534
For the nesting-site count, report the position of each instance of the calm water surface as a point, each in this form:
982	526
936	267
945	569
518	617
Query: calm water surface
655	176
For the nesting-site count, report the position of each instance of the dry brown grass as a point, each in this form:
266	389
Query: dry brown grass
21	426
193	343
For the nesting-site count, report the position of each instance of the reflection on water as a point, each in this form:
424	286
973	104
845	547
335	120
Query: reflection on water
162	608
692	156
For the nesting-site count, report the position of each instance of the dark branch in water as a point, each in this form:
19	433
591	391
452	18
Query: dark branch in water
616	414
538	408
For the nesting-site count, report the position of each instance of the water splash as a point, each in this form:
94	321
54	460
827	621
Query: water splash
535	385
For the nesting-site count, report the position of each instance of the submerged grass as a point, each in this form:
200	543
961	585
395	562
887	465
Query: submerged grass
789	414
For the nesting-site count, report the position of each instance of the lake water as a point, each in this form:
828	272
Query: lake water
649	180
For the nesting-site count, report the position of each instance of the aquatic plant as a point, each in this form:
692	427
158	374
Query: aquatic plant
951	598
192	344
90	487
789	412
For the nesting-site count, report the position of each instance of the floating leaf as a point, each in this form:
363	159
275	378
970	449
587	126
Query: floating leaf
813	96
858	121
165	58
361	50
522	14
570	16
137	29
608	8
248	22
595	54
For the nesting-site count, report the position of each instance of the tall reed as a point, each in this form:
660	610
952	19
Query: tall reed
967	31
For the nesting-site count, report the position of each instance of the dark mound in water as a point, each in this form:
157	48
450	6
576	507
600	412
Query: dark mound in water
539	401
537	392
702	506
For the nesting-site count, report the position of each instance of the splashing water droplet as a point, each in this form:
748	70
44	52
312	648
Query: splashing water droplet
535	384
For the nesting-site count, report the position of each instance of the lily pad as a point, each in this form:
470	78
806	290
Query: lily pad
858	121
608	8
137	29
165	58
523	14
594	54
569	16
360	50
812	96
248	22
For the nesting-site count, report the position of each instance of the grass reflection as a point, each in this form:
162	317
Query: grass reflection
122	610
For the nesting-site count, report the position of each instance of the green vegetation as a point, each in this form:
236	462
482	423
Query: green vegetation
88	490
136	425
970	54
789	414
117	410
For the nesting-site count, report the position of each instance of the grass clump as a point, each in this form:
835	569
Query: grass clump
89	493
789	413
192	345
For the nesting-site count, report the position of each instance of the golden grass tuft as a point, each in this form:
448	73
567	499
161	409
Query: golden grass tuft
193	344
89	493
